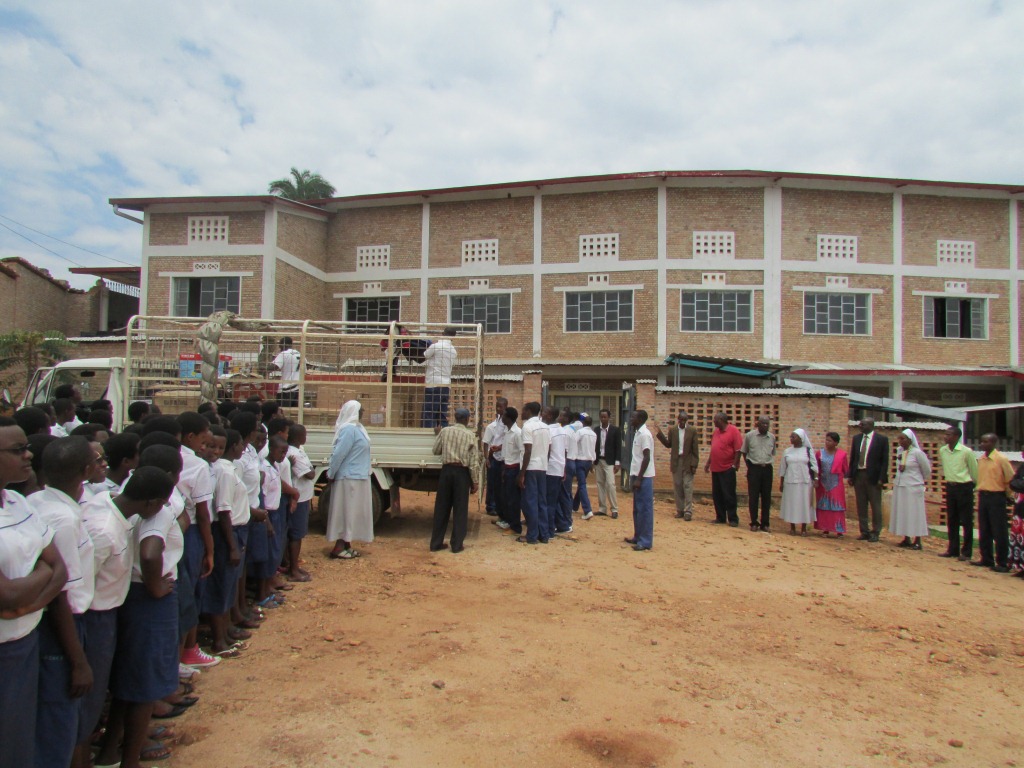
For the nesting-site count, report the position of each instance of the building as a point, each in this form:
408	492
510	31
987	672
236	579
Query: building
889	287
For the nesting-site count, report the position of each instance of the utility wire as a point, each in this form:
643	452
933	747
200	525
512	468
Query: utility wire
65	258
64	242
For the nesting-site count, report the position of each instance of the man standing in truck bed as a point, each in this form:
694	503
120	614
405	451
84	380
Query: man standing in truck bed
440	358
287	362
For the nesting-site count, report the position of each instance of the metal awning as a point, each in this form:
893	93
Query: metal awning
887	404
734	366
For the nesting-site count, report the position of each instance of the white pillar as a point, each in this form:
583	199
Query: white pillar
772	273
1014	286
269	285
897	278
662	300
424	262
538	283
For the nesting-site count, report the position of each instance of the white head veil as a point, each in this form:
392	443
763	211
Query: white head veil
348	416
912	438
806	440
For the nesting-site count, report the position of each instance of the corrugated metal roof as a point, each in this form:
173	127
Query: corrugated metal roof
938	425
758	392
533	362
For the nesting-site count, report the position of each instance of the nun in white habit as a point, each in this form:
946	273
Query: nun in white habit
913	469
350	513
797	474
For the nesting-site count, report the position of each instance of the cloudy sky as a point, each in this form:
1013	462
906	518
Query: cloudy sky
123	99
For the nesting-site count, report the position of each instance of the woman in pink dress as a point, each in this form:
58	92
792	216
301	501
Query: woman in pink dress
831	487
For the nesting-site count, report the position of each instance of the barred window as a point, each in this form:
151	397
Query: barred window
844	314
587	311
202	296
379	310
492	310
717	311
949	317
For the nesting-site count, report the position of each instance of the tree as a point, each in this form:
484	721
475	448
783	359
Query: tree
23	352
303	185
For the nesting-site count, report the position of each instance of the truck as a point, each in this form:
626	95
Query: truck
176	363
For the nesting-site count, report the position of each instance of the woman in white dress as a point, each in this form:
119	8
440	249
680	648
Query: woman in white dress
797	474
350	514
913	469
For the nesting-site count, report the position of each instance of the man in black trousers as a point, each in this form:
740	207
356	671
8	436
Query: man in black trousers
869	472
460	459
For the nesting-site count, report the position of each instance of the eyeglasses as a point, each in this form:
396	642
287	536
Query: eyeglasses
17	450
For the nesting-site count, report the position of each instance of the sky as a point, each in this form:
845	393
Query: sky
130	99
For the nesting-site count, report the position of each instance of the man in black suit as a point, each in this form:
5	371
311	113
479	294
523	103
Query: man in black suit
869	472
609	456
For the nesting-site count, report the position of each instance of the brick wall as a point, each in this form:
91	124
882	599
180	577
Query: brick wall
807	213
632	214
928	219
159	294
799	346
398	226
31	302
917	350
303	237
509	220
642	341
746	345
729	210
244	228
518	343
299	296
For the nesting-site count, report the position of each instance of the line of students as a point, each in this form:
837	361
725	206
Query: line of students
106	569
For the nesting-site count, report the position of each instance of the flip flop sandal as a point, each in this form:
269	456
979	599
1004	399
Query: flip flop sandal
176	711
239	634
227	653
186	688
268	602
248	624
156	752
286	587
161	732
302	578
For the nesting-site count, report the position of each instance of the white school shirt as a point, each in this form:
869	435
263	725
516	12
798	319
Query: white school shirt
223	488
586	444
570	442
240	510
63	514
285	468
92	490
301	465
537	434
271	486
249	469
512	447
288	361
111	535
556	457
163	525
194	482
494	435
643	439
440	358
71	426
57	430
23	537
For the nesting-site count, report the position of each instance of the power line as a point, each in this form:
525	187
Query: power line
64	242
38	245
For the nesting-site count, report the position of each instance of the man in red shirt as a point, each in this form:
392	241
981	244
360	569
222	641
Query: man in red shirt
723	461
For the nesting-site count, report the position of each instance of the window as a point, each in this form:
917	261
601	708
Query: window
492	310
598	311
837	313
717	311
207	229
599	246
202	296
378	310
479	252
949	253
371	256
951	317
720	244
837	248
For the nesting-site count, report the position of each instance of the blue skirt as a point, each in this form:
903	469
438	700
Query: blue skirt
258	551
100	629
219	592
56	713
146	661
298	522
19	691
279	519
242	537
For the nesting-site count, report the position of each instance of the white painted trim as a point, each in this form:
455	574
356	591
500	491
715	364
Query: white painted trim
897	283
303	266
381	295
207	250
1014	291
269	287
477	291
944	295
662	299
144	274
424	262
538	262
835	289
602	288
729	287
206	274
773	268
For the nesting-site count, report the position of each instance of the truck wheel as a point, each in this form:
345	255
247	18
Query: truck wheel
377	498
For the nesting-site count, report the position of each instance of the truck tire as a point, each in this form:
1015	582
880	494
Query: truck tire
377	496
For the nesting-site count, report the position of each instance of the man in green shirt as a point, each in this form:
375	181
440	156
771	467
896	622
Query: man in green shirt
960	471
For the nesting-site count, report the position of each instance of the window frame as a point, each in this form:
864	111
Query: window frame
603	290
507	295
730	289
383	323
973	301
179	280
856	296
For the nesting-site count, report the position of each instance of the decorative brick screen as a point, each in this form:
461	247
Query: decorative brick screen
722	244
599	246
479	252
371	256
742	413
207	229
955	253
841	248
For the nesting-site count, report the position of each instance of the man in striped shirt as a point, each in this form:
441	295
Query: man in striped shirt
460	457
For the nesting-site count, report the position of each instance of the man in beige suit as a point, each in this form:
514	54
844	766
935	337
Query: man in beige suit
684	453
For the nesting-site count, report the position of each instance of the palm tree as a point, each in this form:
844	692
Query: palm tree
303	185
22	352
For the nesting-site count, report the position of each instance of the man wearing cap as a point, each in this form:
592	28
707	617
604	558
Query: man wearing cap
460	459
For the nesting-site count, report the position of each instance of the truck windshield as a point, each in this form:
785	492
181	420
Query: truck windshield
92	382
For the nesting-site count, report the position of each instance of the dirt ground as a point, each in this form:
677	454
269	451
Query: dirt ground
718	647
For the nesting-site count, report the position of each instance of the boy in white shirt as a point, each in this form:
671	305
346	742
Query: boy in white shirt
298	519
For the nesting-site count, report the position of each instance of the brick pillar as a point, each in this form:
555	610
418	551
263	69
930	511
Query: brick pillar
646	398
532	386
839	416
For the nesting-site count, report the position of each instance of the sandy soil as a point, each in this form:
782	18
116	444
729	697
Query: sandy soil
719	647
